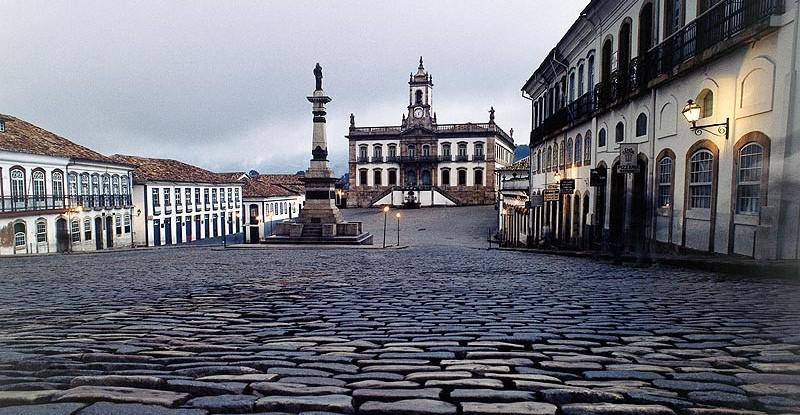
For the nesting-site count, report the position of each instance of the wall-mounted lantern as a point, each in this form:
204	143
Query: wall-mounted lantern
692	113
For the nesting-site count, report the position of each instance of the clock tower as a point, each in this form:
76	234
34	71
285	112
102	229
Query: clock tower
420	89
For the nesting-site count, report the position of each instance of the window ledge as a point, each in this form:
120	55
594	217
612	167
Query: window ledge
698	214
752	219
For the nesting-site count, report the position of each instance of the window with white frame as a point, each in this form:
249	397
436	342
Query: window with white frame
75	230
665	171
41	230
127	222
748	187
118	224
156	198
38	185
701	176
57	181
87	229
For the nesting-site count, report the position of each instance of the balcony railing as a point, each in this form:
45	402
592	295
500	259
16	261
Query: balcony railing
724	21
50	202
377	159
418	159
718	24
448	157
363	159
392	159
479	157
442	128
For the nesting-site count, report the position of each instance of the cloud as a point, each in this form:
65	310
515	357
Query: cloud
223	84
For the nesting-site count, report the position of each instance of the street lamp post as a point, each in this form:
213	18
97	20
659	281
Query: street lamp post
385	215
398	229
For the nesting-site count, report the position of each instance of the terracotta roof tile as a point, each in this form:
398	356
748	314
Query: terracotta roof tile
24	137
273	185
166	170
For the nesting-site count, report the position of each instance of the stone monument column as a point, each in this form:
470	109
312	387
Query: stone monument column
319	181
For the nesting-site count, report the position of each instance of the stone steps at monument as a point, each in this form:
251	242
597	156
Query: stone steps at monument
311	230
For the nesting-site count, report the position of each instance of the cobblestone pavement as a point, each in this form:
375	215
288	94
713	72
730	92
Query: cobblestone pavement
424	330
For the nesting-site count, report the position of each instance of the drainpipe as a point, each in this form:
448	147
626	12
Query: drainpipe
529	230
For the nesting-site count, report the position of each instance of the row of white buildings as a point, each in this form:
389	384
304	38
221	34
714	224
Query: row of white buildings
673	125
58	196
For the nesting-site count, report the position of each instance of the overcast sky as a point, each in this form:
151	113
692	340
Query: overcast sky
222	84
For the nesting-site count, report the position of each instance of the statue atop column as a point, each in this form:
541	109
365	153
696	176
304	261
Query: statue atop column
318	75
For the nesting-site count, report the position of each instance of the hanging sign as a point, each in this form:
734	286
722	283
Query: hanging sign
537	200
597	177
567	186
551	194
628	160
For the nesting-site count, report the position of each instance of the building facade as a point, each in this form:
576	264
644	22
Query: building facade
422	162
270	199
651	170
58	196
514	201
177	203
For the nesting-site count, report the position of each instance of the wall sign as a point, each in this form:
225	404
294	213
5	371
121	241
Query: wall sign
628	160
567	186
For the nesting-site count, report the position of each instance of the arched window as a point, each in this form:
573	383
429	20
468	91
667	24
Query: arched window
412	150
462	177
673	16
539	161
590	73
619	132
666	166
87	229
106	184
377	153
20	236
392	150
478	176
362	177
17	185
701	178
572	87
646	28
57	184
41	230
377	177
126	186
425	177
446	150
392	177
624	51
38	185
418	97
96	184
748	178
581	84
426	151
569	151
605	68
706	101
115	185
549	157
411	178
601	138
85	184
462	150
445	177
641	125
75	230
362	153
578	149
479	149
587	148
72	184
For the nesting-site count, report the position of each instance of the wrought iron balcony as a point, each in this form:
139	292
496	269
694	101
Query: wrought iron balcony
448	157
419	159
363	159
479	157
392	159
377	159
462	157
50	202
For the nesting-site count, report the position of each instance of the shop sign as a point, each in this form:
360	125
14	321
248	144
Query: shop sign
551	195
537	201
628	160
567	186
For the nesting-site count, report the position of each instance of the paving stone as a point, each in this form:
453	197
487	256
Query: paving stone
408	407
614	409
574	395
277	388
621	374
491	395
720	411
145	382
26	397
720	398
466	383
511	408
772	389
206	388
46	409
122	394
254	377
332	403
396	394
688	386
108	408
224	403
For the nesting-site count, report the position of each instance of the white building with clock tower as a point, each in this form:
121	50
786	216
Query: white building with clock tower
424	163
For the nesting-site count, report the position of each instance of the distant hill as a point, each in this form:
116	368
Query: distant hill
521	152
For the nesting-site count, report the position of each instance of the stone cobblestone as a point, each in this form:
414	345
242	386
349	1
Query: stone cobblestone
440	327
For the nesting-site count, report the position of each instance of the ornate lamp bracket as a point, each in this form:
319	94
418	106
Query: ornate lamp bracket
719	129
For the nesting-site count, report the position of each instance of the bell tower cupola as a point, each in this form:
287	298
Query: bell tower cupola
420	98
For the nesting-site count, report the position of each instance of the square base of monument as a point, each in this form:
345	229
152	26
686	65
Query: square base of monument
363	239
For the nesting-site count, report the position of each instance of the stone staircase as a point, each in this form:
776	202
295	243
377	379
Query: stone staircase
312	230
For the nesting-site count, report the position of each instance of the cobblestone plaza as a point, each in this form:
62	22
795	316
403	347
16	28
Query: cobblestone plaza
440	327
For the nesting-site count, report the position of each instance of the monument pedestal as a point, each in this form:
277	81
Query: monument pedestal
320	221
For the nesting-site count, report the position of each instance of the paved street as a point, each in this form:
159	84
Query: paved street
441	327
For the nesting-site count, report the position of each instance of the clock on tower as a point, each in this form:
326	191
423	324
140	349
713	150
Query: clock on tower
420	88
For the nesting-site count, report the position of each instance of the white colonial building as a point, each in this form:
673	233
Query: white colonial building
58	196
270	199
611	110
423	162
177	203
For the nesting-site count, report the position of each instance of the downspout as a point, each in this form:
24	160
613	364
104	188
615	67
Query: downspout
146	227
529	230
